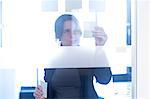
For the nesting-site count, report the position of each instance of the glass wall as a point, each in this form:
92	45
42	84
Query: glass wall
29	32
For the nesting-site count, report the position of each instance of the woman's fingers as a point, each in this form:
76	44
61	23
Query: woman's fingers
38	92
98	31
100	36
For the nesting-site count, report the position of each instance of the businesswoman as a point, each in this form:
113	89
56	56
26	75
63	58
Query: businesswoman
73	83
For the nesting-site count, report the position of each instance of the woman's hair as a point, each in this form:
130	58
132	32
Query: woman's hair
59	23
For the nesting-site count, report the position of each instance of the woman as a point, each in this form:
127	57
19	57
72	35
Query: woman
75	83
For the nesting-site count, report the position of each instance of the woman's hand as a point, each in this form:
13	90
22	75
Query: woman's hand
38	92
100	36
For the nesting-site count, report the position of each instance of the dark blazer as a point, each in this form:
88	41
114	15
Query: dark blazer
75	83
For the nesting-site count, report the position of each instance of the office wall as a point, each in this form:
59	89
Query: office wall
143	47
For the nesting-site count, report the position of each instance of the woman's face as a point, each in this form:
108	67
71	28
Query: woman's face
71	34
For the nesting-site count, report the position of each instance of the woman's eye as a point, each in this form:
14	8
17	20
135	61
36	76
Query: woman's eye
66	30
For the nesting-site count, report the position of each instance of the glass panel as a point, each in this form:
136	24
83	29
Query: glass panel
103	63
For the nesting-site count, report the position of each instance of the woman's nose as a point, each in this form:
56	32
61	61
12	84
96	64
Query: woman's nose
70	35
